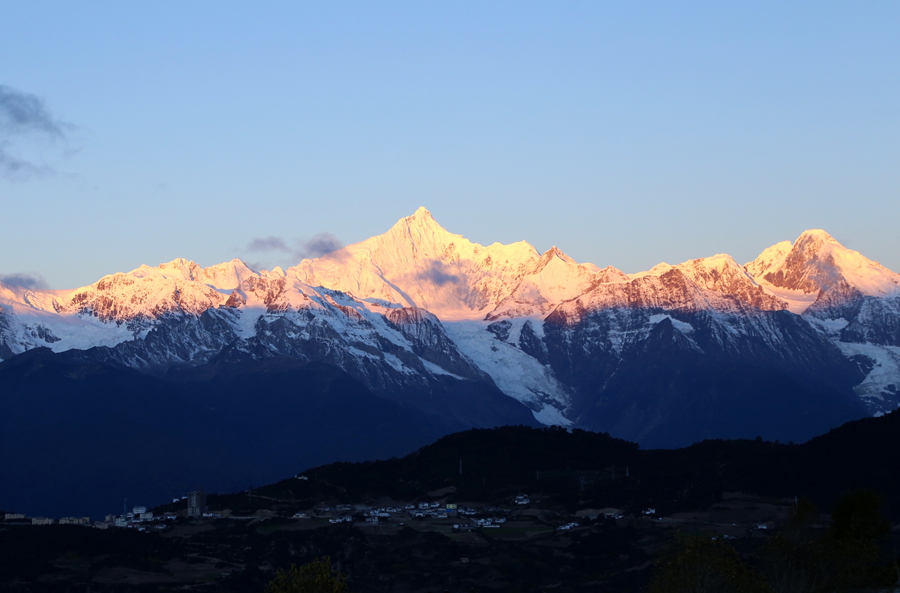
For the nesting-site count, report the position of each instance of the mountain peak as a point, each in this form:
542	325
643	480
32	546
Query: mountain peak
178	263
179	267
418	225
815	240
770	258
555	252
421	218
816	234
818	262
421	213
420	264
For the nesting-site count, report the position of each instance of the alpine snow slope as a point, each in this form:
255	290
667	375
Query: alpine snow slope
802	339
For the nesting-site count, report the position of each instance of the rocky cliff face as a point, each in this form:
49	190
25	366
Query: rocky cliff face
427	318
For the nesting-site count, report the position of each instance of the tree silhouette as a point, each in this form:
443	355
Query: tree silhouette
699	564
847	557
317	576
858	515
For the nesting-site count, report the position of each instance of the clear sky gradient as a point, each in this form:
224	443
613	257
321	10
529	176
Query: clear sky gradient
625	133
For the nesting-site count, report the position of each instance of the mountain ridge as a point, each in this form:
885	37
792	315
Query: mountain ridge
419	308
813	254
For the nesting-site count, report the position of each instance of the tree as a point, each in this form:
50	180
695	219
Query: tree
698	564
858	524
859	516
317	576
845	558
791	561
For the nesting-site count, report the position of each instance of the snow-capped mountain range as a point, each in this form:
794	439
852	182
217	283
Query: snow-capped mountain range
802	338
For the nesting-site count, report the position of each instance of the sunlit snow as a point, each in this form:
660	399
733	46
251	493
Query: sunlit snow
419	264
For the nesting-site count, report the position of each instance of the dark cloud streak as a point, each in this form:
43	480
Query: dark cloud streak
23	113
437	273
16	168
317	246
321	244
21	280
267	244
25	116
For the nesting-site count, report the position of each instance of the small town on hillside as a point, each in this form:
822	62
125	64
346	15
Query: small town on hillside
139	517
438	513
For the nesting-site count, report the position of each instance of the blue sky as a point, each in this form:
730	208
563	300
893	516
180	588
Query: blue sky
624	133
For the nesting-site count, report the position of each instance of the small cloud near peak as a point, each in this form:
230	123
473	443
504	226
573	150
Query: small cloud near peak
318	245
267	244
438	274
321	244
26	281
